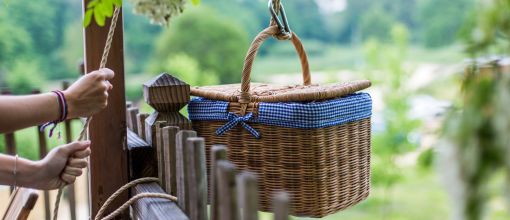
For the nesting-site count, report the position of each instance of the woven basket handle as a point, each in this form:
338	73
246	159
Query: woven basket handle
252	53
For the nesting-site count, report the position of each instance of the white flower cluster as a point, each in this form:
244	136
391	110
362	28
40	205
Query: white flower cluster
158	11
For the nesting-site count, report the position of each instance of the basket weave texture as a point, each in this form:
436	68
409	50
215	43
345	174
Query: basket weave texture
310	140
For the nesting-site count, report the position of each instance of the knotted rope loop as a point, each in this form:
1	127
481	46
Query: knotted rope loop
276	9
234	120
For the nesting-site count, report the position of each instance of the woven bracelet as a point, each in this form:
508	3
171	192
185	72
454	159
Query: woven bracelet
63	110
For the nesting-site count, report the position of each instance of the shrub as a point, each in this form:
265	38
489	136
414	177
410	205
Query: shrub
216	43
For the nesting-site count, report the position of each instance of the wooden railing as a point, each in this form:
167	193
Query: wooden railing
178	159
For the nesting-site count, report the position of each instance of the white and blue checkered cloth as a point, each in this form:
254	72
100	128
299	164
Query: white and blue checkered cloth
306	115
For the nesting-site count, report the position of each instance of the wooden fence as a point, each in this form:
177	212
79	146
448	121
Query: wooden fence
11	149
178	159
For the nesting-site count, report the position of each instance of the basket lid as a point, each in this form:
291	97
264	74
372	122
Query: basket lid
260	92
248	92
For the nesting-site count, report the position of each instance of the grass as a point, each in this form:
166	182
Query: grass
282	59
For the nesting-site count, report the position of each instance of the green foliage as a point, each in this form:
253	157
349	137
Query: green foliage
16	43
188	70
440	21
490	28
100	10
139	37
218	44
24	76
375	24
386	69
426	158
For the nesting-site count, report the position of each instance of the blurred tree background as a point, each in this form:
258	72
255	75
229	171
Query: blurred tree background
412	51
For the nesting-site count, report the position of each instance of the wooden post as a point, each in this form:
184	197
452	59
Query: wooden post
69	138
169	157
227	189
248	195
159	151
281	206
140	118
141	156
167	95
43	150
108	161
181	166
131	117
218	152
197	178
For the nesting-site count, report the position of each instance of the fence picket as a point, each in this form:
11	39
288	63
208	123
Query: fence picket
227	189
248	195
197	178
281	206
169	157
218	152
182	184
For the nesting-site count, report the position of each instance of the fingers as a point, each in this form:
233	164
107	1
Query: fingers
105	74
73	171
76	146
78	163
68	178
81	154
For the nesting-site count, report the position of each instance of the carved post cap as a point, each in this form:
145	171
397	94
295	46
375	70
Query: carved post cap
166	93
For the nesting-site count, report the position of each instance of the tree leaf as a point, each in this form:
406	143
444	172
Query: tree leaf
92	4
117	3
107	8
195	2
87	18
99	16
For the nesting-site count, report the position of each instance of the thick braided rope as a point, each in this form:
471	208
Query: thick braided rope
84	131
252	53
126	205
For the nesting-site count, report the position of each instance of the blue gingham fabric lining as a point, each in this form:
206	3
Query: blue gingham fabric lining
307	115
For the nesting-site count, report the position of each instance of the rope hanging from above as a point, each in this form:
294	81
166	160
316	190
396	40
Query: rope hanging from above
84	136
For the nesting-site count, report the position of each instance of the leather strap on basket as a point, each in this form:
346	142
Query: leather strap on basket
252	53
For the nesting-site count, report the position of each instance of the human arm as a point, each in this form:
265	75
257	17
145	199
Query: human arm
60	167
85	97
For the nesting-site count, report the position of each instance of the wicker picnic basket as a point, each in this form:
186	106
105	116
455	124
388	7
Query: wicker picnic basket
312	141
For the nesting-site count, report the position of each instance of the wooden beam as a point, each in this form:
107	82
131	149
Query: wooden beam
154	208
108	161
142	158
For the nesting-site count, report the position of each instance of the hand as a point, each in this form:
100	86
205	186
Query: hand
89	94
61	166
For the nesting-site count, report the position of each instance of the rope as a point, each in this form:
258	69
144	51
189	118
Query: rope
124	206
84	136
245	96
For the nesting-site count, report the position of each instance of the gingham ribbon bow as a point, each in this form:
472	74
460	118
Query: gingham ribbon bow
234	120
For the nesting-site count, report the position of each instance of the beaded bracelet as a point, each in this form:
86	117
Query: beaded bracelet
62	103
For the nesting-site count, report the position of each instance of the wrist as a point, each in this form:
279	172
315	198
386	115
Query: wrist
70	101
28	173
